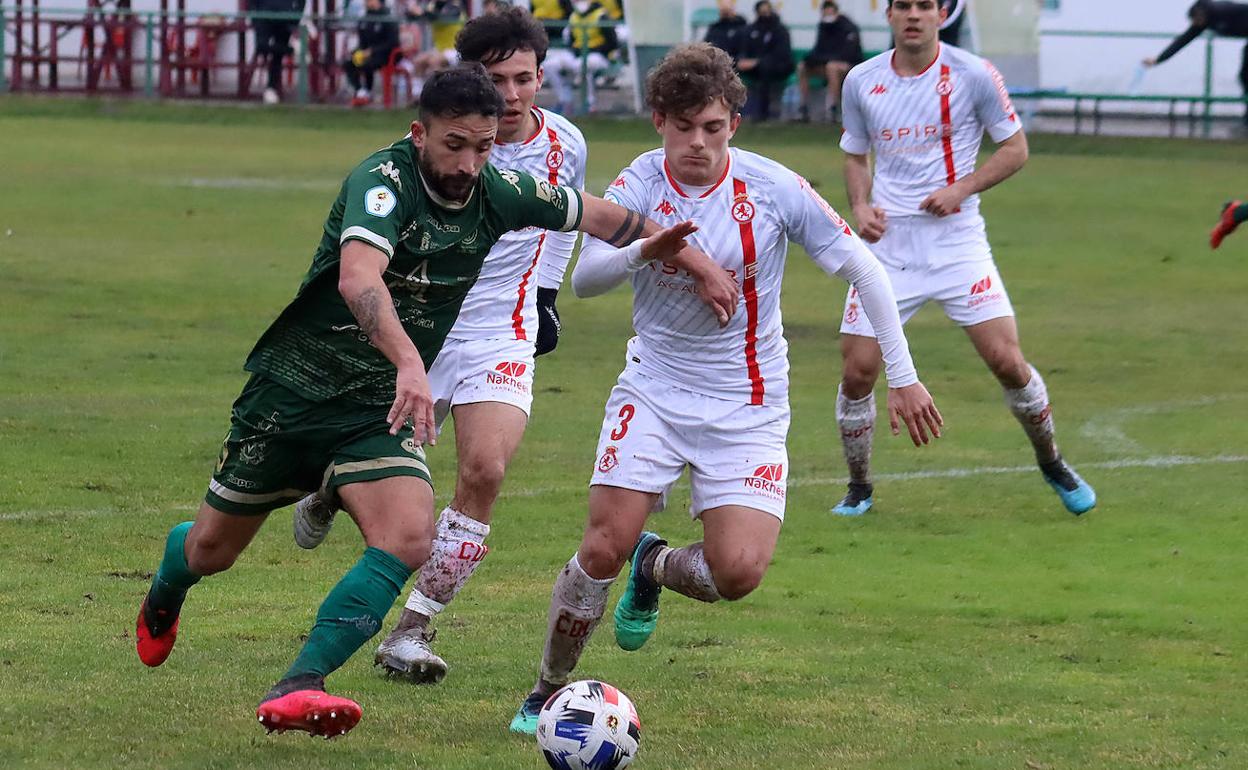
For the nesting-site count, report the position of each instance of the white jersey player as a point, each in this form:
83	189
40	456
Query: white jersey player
694	392
483	376
922	110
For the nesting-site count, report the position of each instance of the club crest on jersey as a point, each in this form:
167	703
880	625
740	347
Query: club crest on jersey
945	86
554	158
609	460
742	209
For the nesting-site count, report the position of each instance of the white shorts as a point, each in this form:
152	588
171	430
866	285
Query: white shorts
942	260
735	452
473	371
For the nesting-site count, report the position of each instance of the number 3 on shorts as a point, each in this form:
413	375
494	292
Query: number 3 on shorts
626	413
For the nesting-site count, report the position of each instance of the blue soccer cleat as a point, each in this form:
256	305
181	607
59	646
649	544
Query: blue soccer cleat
525	720
1077	495
857	500
637	612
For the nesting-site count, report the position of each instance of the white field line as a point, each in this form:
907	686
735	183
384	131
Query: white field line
1160	461
1107	432
255	183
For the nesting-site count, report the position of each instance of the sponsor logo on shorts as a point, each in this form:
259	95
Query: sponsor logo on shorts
982	285
241	483
608	461
768	480
507	374
851	313
409	445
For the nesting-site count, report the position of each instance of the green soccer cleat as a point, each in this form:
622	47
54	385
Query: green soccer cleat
637	612
525	720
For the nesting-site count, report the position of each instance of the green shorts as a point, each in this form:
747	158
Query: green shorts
282	446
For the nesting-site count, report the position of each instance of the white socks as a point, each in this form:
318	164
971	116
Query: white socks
685	571
1030	404
857	421
458	548
577	603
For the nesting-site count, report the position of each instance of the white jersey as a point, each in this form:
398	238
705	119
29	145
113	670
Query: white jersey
502	303
745	222
925	130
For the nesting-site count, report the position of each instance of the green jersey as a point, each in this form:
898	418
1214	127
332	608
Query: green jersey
436	248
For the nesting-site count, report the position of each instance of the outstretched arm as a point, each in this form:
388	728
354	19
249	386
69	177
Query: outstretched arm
361	285
619	227
1175	46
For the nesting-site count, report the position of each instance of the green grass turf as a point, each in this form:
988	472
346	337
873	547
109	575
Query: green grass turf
968	623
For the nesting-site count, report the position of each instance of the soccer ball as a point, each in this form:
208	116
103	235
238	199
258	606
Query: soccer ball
588	725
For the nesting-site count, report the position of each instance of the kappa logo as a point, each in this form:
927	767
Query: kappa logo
982	285
619	182
512	178
554	158
665	208
388	170
878	89
608	460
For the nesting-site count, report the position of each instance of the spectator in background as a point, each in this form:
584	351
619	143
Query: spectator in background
1226	19
838	47
728	31
377	37
273	40
584	35
446	18
557	11
766	59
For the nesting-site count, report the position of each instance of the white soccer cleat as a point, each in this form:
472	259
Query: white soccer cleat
271	96
406	655
313	519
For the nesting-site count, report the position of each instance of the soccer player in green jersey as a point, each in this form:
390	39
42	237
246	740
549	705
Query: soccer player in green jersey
339	397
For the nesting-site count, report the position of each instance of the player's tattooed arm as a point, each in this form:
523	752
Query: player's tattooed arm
630	229
362	288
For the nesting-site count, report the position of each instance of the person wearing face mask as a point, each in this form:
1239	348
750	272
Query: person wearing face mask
589	33
838	47
766	59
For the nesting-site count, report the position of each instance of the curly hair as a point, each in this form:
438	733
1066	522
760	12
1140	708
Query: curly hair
690	77
495	37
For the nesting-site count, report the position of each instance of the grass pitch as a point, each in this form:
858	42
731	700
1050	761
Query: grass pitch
969	622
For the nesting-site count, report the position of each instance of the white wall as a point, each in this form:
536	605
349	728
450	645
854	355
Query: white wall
1110	65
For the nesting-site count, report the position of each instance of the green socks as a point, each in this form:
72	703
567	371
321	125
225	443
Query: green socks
172	580
352	613
1240	214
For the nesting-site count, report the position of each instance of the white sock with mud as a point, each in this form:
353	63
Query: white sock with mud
685	571
577	603
458	548
1030	405
856	418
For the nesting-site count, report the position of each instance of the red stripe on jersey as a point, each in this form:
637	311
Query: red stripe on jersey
554	147
946	124
517	315
749	289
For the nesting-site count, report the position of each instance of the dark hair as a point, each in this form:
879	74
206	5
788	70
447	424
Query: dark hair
830	4
692	76
462	90
760	4
1201	7
495	37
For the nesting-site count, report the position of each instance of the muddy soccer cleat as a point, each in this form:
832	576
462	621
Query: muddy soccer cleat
525	720
407	655
1076	494
154	635
314	515
856	501
312	711
637	611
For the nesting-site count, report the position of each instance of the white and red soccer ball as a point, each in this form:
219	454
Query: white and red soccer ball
588	725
